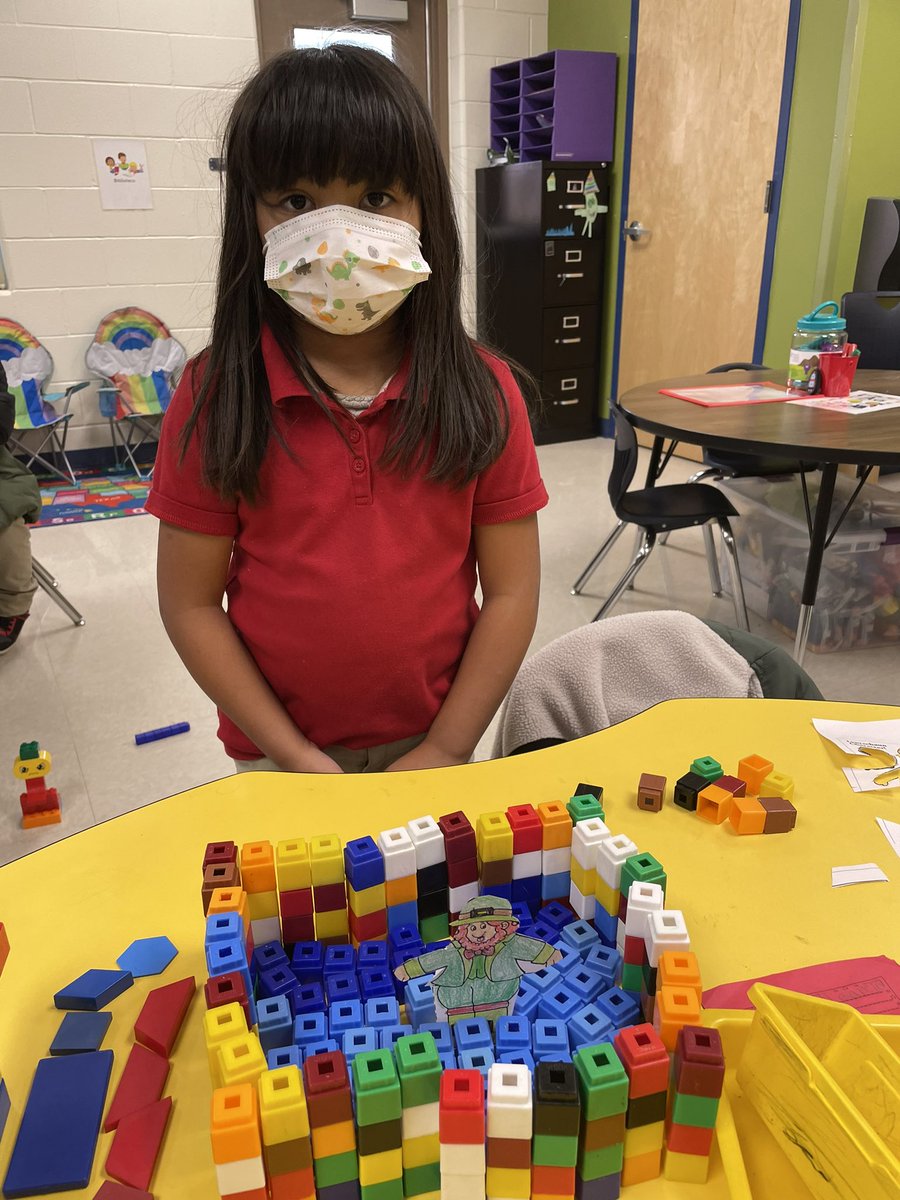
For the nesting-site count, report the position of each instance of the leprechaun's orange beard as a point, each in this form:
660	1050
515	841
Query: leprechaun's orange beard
480	934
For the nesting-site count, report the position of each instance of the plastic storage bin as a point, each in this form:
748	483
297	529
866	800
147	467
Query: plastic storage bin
858	601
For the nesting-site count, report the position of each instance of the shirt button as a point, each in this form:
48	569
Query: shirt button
359	465
355	435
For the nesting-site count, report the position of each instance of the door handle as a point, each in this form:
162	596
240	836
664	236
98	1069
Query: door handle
635	231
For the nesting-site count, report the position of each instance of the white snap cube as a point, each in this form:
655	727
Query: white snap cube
426	836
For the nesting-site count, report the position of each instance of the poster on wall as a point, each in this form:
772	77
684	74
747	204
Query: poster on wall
122	173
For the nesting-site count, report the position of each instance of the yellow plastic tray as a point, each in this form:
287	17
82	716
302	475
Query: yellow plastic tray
748	1163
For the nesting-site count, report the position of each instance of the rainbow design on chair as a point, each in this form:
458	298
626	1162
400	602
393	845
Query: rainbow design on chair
135	352
28	365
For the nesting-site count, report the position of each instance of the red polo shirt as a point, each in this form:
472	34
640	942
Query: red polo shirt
351	586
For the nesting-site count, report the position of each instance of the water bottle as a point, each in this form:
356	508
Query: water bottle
819	332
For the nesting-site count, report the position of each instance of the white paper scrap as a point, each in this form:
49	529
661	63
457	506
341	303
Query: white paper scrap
891	830
877	746
861	873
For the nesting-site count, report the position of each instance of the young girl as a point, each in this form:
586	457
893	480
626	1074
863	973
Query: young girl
342	458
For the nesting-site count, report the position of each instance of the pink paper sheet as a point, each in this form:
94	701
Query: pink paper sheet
870	985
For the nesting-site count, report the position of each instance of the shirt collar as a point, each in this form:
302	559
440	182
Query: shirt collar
284	384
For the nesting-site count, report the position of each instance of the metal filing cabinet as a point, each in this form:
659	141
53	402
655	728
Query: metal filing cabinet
541	233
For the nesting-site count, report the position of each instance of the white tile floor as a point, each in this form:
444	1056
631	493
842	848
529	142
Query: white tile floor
84	692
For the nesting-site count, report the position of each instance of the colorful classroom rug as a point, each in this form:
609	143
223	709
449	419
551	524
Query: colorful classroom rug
96	497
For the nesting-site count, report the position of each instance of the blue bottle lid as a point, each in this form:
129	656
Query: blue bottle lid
815	323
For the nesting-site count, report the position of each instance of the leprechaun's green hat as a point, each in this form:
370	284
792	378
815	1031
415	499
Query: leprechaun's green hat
485	908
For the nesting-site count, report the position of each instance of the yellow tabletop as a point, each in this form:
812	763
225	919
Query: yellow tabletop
753	905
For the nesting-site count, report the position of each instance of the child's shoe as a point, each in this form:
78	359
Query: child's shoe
10	628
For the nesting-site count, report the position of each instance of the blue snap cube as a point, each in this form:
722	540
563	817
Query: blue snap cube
310	1027
419	1000
570	960
527	1003
284	1056
621	1007
518	1057
556	915
372	954
448	1060
606	925
389	1034
363	864
342	986
224	927
339	960
310	998
325	1047
513	1033
580	936
358	1041
344	1015
544	932
586	983
606	961
476	1060
555	885
472	1033
381	1012
307	961
590	1026
406	938
522	913
274	1023
440	1031
549	1039
269	954
402	915
543	980
376	982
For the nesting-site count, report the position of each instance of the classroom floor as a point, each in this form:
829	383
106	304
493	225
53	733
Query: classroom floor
84	692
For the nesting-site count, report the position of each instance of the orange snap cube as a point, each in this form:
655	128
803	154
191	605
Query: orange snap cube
747	815
679	968
675	1008
754	770
713	804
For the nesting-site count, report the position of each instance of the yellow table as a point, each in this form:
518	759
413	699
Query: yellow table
753	905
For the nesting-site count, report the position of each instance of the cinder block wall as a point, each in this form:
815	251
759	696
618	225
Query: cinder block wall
71	70
482	34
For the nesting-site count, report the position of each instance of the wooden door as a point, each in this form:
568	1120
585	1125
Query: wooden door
707	94
418	45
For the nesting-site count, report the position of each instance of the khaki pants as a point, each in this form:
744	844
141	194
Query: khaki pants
17	584
353	762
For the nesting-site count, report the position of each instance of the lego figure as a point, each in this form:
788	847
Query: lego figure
40	804
478	971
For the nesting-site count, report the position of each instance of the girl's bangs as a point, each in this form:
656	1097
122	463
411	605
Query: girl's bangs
328	114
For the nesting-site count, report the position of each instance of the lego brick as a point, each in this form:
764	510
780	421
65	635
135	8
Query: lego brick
80	1032
686	1168
646	1110
63	1110
651	792
714	804
644	1057
258	867
686	790
93	990
358	1041
326	860
141	1083
37	820
363	864
136	1144
512	1033
781	816
162	1015
754	770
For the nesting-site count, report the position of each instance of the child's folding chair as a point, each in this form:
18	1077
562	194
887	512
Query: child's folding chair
141	361
28	366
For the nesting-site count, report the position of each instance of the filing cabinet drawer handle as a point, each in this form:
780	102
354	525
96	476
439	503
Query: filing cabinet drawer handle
562	276
567	341
566	385
566	403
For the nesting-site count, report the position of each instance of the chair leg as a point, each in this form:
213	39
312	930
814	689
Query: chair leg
647	544
712	560
706	473
597	559
51	587
734	569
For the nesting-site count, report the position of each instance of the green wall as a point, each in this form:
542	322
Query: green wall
843	146
590	25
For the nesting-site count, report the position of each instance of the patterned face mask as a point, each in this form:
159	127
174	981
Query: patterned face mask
343	269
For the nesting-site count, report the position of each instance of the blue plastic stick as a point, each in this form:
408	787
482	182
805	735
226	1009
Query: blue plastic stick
156	735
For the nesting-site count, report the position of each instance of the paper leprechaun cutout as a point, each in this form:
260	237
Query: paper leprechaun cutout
477	973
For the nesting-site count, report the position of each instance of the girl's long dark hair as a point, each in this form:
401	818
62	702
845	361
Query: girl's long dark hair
349	113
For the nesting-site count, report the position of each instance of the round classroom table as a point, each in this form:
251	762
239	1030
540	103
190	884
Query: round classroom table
753	905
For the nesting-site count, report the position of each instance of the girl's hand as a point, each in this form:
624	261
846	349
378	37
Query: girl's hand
425	756
401	973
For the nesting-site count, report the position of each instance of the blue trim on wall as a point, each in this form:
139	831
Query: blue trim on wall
608	425
784	121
